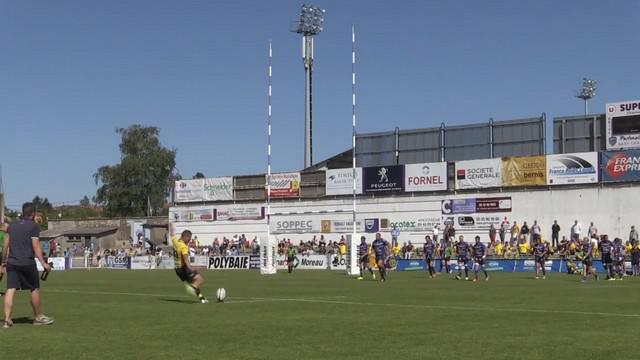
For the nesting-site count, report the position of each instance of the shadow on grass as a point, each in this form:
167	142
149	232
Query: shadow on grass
180	301
23	320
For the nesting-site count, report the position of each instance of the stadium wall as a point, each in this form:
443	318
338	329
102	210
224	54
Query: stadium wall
612	208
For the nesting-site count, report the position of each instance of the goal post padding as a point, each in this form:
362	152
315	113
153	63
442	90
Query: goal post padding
268	255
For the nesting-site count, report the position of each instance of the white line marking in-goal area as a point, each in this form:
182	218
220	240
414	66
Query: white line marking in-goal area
327	300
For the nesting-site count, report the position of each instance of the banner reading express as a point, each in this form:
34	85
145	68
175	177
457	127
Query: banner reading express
425	177
473	174
285	185
384	179
578	168
620	165
523	171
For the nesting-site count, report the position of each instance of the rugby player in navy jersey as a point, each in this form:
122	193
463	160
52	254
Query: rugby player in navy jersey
462	251
363	254
587	260
381	250
540	252
430	255
617	253
479	255
605	248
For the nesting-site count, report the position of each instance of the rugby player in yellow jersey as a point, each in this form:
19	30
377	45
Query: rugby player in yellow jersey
183	268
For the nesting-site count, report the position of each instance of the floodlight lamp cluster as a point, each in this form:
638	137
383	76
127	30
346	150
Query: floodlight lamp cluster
588	89
311	19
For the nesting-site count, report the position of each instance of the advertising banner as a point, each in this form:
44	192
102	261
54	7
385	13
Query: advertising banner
473	174
244	262
218	189
371	225
340	181
474	221
201	214
58	263
623	125
524	171
189	190
285	185
337	262
341	226
384	178
425	177
117	262
459	206
305	262
239	212
620	165
410	223
578	168
295	226
143	262
497	204
411	265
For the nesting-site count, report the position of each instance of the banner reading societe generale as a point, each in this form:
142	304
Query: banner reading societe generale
524	171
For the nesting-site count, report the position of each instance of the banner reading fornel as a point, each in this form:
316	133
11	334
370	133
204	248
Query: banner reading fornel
425	177
472	174
524	171
285	185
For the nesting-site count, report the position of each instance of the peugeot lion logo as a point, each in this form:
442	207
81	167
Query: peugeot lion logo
383	175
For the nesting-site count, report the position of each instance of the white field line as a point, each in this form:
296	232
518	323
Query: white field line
243	300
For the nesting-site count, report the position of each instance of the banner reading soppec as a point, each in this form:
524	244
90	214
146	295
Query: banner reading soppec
523	171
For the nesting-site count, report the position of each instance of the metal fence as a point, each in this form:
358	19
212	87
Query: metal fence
573	134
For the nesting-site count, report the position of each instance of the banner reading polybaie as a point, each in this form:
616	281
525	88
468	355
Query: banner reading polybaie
578	168
285	185
340	181
425	177
620	165
523	171
472	174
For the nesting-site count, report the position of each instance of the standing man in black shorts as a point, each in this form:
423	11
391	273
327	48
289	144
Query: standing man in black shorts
20	249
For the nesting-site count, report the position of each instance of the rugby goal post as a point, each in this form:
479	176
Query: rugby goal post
353	265
268	255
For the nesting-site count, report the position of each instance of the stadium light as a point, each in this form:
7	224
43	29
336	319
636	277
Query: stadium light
587	92
309	24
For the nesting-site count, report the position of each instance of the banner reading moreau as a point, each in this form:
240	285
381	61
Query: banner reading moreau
524	171
473	174
578	168
285	185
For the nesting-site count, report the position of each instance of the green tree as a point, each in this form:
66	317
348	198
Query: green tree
85	201
199	175
42	204
145	174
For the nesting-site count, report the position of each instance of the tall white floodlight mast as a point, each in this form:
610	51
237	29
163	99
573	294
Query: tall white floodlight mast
309	24
587	92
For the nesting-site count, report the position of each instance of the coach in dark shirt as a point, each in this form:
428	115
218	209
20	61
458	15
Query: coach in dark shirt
20	250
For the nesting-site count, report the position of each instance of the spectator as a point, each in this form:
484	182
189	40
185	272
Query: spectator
576	230
555	232
524	232
435	230
592	232
536	231
408	251
515	232
633	234
503	231
492	234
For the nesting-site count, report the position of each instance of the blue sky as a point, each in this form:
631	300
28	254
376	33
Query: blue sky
71	71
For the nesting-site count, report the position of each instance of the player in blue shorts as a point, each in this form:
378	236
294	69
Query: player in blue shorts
479	256
587	260
462	251
430	255
605	246
381	250
618	257
540	251
363	255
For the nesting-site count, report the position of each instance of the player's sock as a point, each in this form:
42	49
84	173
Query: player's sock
466	272
486	274
544	272
371	271
361	273
382	274
198	292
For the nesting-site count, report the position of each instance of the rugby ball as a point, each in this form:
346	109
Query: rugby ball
221	294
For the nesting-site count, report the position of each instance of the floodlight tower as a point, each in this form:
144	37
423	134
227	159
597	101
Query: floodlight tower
587	92
309	24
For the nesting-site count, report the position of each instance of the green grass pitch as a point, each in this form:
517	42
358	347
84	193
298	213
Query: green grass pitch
115	314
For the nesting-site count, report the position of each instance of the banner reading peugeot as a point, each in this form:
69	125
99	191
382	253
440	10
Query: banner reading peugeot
473	174
189	190
620	165
524	170
425	177
340	181
384	178
218	189
285	185
578	168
